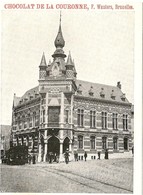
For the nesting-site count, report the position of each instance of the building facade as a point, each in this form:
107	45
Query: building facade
5	131
64	112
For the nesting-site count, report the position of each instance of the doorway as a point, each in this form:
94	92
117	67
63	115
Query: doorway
66	144
54	145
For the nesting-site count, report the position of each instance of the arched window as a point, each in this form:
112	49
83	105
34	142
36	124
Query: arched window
125	143
104	142
115	143
92	142
80	142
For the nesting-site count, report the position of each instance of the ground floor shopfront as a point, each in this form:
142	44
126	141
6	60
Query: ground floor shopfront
44	142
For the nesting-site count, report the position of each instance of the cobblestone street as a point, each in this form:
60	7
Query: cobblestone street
99	176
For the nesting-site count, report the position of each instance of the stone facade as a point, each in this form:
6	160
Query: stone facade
63	112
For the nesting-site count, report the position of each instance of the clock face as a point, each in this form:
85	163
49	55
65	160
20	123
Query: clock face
55	70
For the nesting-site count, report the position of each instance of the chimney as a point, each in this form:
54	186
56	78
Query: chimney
119	84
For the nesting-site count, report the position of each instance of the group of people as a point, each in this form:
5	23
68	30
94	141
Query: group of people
32	159
76	156
85	155
53	157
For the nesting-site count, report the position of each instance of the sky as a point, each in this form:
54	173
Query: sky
101	44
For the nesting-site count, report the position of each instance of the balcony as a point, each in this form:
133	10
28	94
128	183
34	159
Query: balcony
53	124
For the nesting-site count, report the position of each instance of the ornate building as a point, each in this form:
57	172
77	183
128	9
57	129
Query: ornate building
63	112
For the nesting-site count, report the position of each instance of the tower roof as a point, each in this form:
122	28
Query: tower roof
69	60
43	60
59	41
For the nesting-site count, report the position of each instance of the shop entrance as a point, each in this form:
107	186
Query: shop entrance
54	145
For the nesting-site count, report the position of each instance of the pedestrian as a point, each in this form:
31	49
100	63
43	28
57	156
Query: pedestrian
50	157
106	154
29	159
85	155
55	157
76	156
34	159
133	150
98	156
67	156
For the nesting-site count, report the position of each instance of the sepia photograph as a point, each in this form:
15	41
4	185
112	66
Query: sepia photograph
67	97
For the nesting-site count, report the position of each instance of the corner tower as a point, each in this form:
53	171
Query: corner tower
57	86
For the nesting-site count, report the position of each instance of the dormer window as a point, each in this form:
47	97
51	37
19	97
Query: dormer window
79	90
102	94
91	93
30	96
25	99
123	97
113	95
36	95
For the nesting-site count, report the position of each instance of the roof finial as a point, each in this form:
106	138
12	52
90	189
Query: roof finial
60	16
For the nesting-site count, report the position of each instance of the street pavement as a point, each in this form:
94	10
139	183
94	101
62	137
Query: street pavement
94	176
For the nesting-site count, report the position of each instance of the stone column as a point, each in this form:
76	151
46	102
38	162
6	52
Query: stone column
70	146
45	145
61	158
45	149
39	154
62	110
71	151
71	111
46	111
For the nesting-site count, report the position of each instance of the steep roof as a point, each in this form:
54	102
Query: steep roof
99	89
30	92
85	87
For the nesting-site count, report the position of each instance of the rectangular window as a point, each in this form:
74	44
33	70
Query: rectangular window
34	119
115	121
80	117
67	116
125	122
20	124
104	120
115	143
80	142
53	116
104	142
43	116
25	124
92	142
92	119
30	122
37	120
125	143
